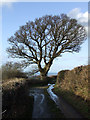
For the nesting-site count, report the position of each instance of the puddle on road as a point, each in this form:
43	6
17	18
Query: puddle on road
53	96
37	93
40	104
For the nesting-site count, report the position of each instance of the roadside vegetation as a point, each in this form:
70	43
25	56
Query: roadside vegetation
73	86
15	100
16	103
12	70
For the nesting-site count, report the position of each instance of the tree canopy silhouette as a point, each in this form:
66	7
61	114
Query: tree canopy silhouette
45	39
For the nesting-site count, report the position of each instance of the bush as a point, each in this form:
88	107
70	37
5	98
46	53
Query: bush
60	76
75	80
16	102
12	70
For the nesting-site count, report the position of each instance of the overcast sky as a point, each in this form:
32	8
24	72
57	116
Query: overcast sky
18	13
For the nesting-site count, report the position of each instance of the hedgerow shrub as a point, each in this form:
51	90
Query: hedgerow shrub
75	81
11	70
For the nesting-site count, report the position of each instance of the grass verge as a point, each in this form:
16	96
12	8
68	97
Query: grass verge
77	102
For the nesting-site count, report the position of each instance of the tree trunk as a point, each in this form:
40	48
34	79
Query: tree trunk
43	75
44	71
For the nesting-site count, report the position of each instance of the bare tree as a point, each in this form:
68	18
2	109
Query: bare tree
45	39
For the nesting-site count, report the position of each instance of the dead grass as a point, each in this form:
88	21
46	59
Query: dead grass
12	83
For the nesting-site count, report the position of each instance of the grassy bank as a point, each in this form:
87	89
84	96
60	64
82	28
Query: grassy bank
73	87
76	101
15	100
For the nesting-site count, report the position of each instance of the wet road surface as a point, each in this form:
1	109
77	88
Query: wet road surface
40	109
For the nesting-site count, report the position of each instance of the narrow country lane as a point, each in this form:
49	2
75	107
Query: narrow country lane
40	109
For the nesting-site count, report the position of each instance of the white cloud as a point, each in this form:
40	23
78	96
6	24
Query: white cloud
7	3
80	16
